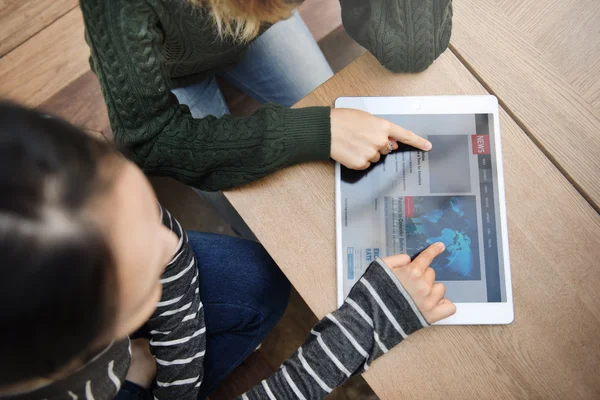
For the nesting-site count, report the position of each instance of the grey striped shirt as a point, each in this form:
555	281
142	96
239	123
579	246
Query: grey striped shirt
177	329
377	315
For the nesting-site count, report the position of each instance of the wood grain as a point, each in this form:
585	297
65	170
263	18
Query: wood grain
21	19
567	32
82	104
321	16
563	123
550	351
46	63
340	49
251	371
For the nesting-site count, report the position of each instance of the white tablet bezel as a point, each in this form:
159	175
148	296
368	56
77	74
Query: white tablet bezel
467	313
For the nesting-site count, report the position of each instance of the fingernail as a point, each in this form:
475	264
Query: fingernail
428	145
441	246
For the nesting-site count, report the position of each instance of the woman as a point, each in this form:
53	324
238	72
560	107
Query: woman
156	61
88	257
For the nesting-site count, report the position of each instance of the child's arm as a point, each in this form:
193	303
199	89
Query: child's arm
382	309
177	330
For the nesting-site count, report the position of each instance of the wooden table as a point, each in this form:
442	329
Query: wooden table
541	58
552	350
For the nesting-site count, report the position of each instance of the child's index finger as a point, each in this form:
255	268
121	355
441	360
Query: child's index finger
423	260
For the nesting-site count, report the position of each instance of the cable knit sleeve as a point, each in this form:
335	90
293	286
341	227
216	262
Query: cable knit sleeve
404	35
161	136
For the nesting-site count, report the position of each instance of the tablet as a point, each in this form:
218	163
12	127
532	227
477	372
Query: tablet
453	194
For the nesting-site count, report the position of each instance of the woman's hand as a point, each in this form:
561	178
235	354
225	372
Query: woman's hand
419	281
143	365
359	138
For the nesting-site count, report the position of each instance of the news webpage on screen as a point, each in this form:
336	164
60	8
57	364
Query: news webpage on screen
411	199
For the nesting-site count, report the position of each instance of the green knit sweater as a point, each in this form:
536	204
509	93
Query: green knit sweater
140	49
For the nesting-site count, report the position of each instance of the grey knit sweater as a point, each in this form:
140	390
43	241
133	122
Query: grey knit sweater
376	316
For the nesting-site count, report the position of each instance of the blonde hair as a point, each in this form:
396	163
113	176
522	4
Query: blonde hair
241	20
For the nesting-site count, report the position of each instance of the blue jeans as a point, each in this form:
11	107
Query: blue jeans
244	295
282	66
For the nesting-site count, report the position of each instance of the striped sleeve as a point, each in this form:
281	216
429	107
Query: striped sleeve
377	315
177	330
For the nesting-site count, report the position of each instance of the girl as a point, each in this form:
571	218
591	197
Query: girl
88	256
157	60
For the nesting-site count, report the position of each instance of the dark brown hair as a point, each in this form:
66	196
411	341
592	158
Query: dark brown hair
57	285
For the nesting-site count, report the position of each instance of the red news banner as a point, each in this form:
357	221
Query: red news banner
481	144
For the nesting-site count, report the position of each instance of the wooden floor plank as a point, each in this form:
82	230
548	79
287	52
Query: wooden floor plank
550	351
249	374
82	104
321	16
43	73
21	19
45	64
550	109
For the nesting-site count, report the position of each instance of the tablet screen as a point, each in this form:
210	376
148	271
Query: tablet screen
411	199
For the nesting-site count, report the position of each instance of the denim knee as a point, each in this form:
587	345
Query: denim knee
275	288
239	271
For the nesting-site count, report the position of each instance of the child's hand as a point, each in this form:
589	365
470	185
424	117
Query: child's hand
419	281
142	369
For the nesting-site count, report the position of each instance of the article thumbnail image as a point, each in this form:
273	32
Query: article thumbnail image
451	220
